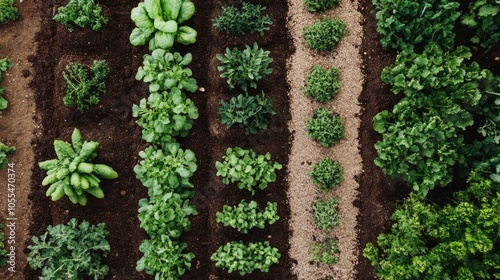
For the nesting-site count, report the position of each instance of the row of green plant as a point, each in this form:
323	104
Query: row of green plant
5	64
238	21
245	216
7	11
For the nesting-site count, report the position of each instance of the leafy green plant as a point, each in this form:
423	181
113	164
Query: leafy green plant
8	11
488	108
325	34
244	68
327	174
315	6
245	216
73	251
82	89
247	111
484	16
158	23
247	168
248	18
406	23
164	116
3	251
166	170
235	256
5	64
81	13
4	151
325	252
322	84
325	127
326	213
164	70
72	172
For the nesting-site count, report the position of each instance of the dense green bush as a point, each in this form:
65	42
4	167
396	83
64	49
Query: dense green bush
322	84
326	213
325	34
327	174
5	64
315	6
325	251
248	18
484	16
245	216
325	127
8	11
81	13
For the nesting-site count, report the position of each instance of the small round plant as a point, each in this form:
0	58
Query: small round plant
327	174
325	127
322	84
325	34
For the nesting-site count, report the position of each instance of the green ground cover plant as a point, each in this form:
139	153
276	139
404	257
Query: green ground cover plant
326	213
325	34
5	64
325	127
4	151
316	6
325	252
484	17
327	174
7	11
245	216
81	13
239	21
322	84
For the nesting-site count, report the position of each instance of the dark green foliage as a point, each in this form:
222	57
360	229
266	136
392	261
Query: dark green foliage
322	84
249	112
5	64
325	252
484	16
83	89
3	251
325	127
248	18
4	151
8	11
326	213
245	216
315	6
81	13
73	251
327	174
488	108
325	34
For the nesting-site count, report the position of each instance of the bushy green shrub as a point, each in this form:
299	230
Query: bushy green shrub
325	251
326	213
325	127
245	216
5	64
248	18
484	16
327	173
8	11
315	6
325	34
322	84
81	13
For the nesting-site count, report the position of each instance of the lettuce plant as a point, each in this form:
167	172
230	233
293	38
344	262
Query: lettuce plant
164	70
248	18
315	6
5	64
81	13
322	84
325	34
326	213
327	174
8	11
484	17
159	23
325	127
245	216
326	251
72	172
4	151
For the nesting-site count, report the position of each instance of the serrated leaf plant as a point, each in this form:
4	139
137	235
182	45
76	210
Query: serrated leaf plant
4	151
484	17
72	173
7	11
325	127
316	6
247	168
236	256
81	13
239	21
326	251
249	112
322	84
247	215
325	34
164	70
5	64
327	174
73	251
326	214
246	67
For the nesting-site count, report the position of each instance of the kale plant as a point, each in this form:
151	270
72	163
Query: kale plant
322	84
327	174
326	213
315	6
8	11
325	34
81	13
248	18
245	216
325	127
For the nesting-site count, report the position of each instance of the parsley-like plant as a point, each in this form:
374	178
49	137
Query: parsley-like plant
248	18
325	251
81	13
245	216
326	213
484	17
8	11
322	84
315	6
325	34
327	174
325	127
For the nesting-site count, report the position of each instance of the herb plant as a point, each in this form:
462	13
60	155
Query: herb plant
73	251
249	112
4	151
83	89
8	11
322	84
81	13
5	64
72	172
164	116
484	16
245	68
325	34
247	168
327	174
315	6
236	256
488	109
3	251
325	252
164	70
159	23
248	18
245	216
325	127
326	213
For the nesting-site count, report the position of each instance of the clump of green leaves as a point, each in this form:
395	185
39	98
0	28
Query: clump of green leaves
245	68
315	6
164	116
81	13
73	251
247	168
326	213
248	18
249	112
5	64
245	216
484	16
488	108
72	172
236	256
325	34
404	24
8	11
4	151
325	252
325	127
164	70
322	84
83	89
327	173
3	251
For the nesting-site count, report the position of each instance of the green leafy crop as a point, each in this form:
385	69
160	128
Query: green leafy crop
3	251
73	251
8	11
164	70
4	151
248	18
325	34
325	251
325	127
82	89
327	174
245	216
158	23
250	112
235	256
322	84
247	168
72	172
484	16
5	64
488	109
245	68
315	6
326	213
164	116
81	13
